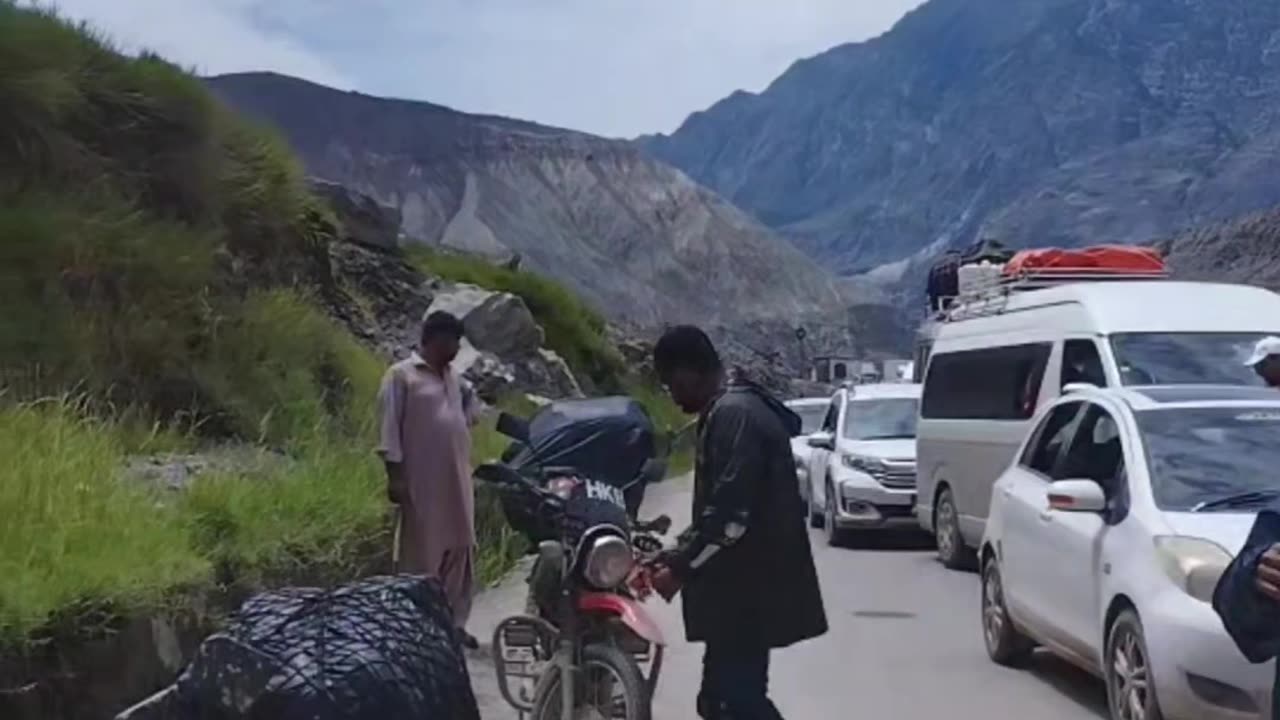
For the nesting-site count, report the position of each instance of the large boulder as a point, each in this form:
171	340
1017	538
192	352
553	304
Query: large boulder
546	373
363	219
496	322
542	373
489	376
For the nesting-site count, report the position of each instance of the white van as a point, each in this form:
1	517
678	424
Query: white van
991	363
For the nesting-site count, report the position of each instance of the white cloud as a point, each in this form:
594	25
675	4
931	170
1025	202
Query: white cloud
618	67
212	36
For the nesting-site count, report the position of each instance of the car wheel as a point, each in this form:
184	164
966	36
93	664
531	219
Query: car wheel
1131	691
815	512
952	551
1006	645
833	532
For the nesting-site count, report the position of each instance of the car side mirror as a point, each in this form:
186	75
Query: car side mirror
822	441
1085	496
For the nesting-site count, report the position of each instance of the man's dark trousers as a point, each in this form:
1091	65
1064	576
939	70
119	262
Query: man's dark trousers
735	684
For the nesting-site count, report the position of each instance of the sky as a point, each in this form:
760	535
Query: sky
613	67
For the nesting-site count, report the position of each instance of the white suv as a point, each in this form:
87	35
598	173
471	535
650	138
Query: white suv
862	472
1109	531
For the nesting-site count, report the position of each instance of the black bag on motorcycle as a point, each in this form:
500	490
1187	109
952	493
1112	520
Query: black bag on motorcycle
378	649
609	439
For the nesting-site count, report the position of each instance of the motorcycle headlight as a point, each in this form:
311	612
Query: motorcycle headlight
607	562
862	464
1193	564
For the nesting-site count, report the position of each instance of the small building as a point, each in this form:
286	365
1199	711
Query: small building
836	369
831	369
897	370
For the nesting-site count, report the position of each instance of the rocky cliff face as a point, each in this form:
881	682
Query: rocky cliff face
1244	250
635	237
382	299
1036	121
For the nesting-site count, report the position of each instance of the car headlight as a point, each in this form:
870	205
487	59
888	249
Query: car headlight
607	562
862	464
1193	564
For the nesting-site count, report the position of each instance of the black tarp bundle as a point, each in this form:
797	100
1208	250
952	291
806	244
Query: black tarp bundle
379	649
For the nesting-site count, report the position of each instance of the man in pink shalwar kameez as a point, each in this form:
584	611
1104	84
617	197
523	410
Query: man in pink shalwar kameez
425	419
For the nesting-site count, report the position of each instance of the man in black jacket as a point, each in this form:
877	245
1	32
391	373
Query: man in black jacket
1247	597
744	565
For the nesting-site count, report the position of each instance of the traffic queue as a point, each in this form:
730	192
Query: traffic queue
1098	441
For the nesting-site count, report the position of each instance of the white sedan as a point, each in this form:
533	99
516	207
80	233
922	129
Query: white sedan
862	474
1109	532
811	412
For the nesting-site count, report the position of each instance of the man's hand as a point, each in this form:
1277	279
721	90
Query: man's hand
639	583
664	580
1268	579
397	485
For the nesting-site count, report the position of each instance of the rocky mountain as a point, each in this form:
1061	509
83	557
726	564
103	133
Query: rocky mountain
635	237
1036	121
1244	250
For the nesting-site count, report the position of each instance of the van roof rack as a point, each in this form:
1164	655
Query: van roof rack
992	298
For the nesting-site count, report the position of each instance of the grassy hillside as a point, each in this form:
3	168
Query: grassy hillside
161	269
160	262
137	214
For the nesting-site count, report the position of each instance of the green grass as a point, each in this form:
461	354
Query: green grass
319	517
79	533
280	371
73	531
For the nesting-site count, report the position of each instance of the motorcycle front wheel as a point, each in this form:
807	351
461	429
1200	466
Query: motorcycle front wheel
611	687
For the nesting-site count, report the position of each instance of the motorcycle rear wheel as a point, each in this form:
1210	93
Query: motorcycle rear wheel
604	668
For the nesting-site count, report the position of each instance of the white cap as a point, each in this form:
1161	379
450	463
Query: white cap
1265	348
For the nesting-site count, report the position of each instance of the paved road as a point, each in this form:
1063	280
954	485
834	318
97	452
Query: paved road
905	643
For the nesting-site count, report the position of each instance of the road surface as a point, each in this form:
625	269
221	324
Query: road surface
905	643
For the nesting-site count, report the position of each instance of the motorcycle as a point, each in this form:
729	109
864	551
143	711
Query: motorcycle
571	482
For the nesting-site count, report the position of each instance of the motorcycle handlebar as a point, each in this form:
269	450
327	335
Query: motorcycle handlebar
659	525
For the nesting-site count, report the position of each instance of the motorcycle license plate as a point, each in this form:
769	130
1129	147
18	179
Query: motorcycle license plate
518	655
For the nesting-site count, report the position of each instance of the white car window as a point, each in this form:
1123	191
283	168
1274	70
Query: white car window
1081	363
1184	358
1096	452
1201	458
881	419
1050	438
811	417
833	417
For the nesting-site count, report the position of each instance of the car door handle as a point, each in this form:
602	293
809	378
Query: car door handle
1006	492
1046	516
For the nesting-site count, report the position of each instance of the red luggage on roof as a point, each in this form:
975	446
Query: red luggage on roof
1100	259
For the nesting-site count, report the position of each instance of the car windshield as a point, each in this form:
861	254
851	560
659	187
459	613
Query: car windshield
810	417
1203	456
881	419
1185	358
